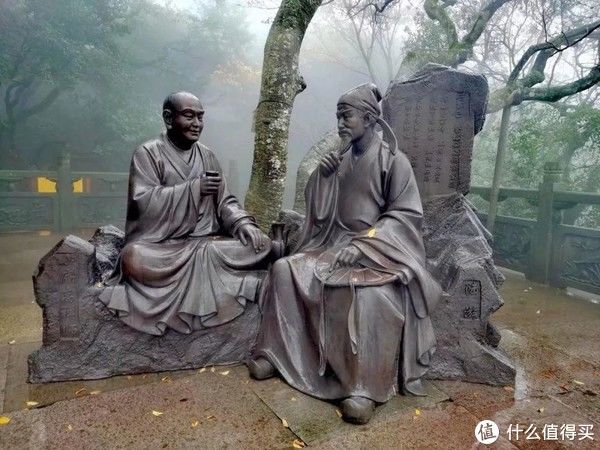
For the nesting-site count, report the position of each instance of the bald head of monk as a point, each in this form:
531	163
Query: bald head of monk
183	115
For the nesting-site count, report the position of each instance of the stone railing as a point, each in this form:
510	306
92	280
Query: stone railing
102	201
545	249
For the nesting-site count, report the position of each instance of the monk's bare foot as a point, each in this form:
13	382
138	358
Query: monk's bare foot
260	368
416	388
357	410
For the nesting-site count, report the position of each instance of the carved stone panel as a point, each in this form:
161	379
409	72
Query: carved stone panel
580	260
92	210
20	212
435	115
472	299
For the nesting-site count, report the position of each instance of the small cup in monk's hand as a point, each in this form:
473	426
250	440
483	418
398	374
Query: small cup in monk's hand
210	182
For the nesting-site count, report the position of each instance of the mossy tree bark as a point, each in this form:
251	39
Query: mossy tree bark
281	82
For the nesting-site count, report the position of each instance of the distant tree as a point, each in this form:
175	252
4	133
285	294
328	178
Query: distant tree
46	48
106	98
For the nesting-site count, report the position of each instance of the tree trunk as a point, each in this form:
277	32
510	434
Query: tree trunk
500	156
281	82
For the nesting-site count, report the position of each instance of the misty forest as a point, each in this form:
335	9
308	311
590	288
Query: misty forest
86	78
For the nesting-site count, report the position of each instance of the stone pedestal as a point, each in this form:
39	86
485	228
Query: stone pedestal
83	340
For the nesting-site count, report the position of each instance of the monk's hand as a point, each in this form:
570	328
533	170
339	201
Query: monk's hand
250	233
329	163
210	184
346	257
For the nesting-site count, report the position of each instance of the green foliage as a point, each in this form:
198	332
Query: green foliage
542	133
111	62
426	43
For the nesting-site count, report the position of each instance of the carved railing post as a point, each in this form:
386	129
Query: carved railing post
64	190
547	219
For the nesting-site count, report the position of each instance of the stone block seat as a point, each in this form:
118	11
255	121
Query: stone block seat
82	339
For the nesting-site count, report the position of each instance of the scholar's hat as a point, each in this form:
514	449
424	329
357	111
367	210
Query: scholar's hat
365	97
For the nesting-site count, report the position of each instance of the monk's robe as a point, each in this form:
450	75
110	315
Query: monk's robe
362	330
180	267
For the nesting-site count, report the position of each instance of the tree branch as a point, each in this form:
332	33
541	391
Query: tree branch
555	93
481	21
43	104
553	46
437	12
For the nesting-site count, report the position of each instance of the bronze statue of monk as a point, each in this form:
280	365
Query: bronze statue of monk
192	255
346	316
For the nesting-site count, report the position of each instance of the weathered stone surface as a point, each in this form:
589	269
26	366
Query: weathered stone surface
328	143
83	340
460	257
435	115
108	241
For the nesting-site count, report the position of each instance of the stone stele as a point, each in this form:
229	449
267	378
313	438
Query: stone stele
435	115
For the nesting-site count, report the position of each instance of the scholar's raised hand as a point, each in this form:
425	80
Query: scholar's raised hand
330	163
249	233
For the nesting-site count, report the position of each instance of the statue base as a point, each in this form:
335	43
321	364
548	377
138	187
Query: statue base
83	340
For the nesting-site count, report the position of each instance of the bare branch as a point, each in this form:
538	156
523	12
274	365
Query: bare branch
379	8
481	21
559	43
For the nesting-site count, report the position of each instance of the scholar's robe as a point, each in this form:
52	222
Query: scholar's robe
362	330
180	267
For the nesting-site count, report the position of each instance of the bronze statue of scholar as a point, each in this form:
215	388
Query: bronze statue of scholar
346	317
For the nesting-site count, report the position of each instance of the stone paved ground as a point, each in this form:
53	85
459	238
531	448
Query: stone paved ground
551	335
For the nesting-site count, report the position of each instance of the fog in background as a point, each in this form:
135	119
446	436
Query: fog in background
92	78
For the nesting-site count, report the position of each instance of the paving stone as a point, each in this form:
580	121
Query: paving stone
202	410
317	421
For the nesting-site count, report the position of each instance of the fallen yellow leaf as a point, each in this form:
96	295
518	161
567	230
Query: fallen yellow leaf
298	443
165	379
285	424
225	372
95	392
4	420
417	412
372	233
157	413
338	412
202	370
195	423
31	403
80	391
